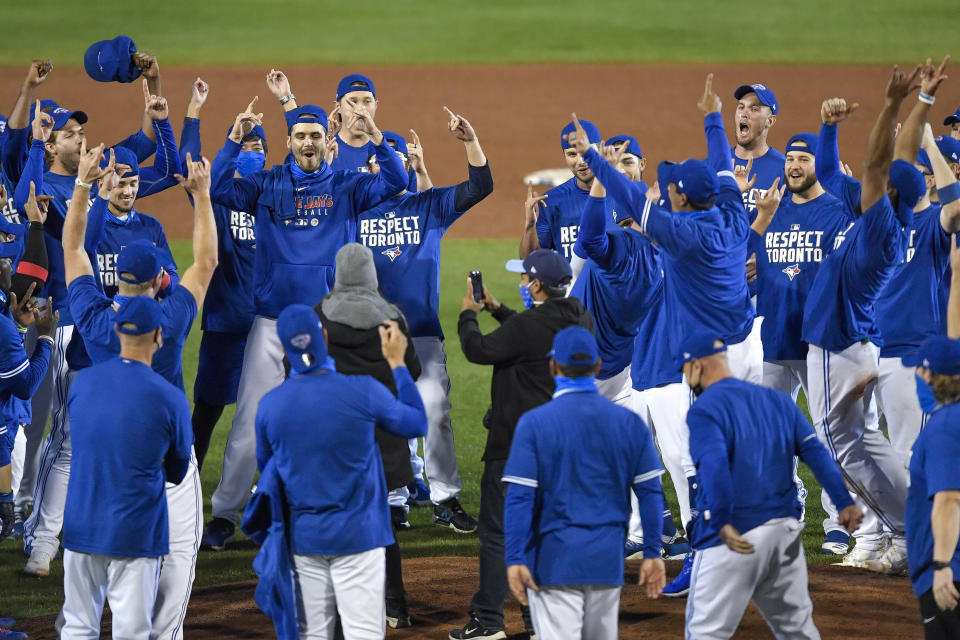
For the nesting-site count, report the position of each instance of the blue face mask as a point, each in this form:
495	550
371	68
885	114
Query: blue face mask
925	395
525	296
250	162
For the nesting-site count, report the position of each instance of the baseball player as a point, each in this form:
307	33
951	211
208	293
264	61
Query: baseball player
743	438
752	157
555	227
840	325
404	234
563	531
953	121
304	212
338	528
228	308
124	454
933	506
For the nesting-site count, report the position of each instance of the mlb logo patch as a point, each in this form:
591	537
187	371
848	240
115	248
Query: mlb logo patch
393	253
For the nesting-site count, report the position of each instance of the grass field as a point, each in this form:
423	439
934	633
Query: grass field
23	596
492	32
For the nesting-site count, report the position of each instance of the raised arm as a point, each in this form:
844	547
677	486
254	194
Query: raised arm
479	183
166	162
532	209
392	178
907	142
14	152
41	128
239	194
196	278
948	189
404	415
417	164
75	258
829	171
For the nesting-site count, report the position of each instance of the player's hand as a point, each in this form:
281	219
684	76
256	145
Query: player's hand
752	268
927	142
199	92
741	173
469	304
845	168
24	311
769	201
35	206
197	181
154	106
944	592
277	83
519	578
460	127
333	150
363	121
42	125
6	520
731	537
415	153
653	577
334	122
393	344
88	170
850	518
653	193
902	84
46	323
147	63
836	110
489	302
578	139
532	206
246	121
38	72
931	77
709	102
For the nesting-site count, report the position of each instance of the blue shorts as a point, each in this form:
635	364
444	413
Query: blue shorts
219	366
8	434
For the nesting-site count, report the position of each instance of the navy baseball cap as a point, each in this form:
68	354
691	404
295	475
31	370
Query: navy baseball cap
952	118
764	94
138	262
123	156
940	354
112	60
545	265
301	335
306	113
593	134
574	347
355	82
692	177
138	315
397	141
698	345
803	142
632	145
256	132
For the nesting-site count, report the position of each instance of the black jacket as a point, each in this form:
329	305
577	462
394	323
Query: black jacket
357	352
521	368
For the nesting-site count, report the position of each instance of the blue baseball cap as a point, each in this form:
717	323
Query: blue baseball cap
112	60
355	82
698	345
301	335
138	262
909	183
256	132
574	347
395	140
593	134
692	177
125	156
632	145
307	113
138	315
952	118
764	94
545	265
59	114
949	149
803	142
940	354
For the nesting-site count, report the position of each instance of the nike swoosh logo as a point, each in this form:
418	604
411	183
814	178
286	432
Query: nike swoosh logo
929	620
300	188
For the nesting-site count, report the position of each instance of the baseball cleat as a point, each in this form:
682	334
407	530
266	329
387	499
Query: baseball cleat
419	494
217	534
893	562
397	615
835	543
449	513
7	634
38	564
862	556
676	550
632	550
474	629
680	586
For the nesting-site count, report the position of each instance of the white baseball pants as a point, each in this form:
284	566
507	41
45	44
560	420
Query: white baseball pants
185	518
896	395
746	358
618	388
351	585
588	612
262	371
128	584
773	577
29	442
843	409
42	529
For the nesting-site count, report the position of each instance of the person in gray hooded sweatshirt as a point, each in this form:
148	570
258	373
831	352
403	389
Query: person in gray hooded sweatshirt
351	315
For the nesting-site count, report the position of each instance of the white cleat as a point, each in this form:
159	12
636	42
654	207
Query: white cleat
893	562
38	564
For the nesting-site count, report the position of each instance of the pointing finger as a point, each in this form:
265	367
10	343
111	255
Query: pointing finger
146	90
252	102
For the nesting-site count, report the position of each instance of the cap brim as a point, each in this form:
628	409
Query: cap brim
80	117
951	119
516	266
743	90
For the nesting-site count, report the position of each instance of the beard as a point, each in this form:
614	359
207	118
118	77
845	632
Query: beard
799	187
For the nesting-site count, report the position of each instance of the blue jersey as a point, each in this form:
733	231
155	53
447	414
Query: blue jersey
767	168
933	468
788	257
913	305
841	305
94	314
353	159
582	454
559	220
14	364
743	439
118	233
125	447
324	422
301	221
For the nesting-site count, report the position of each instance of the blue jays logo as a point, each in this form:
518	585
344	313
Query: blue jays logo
393	253
792	271
301	341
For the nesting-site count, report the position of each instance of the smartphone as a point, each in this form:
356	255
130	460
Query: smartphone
476	280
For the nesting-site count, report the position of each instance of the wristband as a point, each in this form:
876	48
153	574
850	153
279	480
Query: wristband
20	327
287	98
937	566
949	193
82	184
926	98
47	338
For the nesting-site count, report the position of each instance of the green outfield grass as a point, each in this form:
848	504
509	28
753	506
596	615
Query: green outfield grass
23	596
492	32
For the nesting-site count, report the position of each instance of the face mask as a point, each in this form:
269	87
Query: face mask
925	395
250	162
525	296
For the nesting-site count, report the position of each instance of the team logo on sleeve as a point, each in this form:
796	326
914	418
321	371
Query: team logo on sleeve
393	253
792	271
